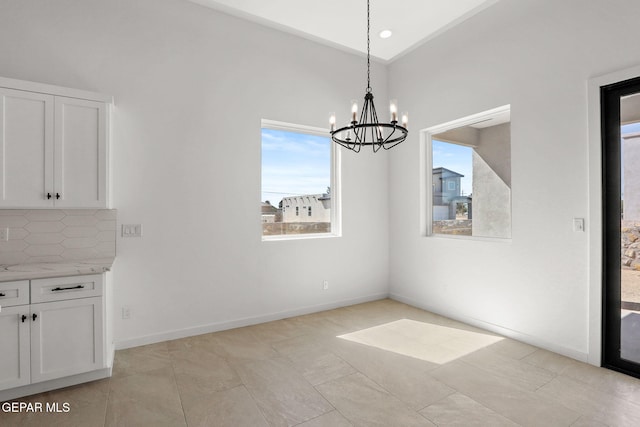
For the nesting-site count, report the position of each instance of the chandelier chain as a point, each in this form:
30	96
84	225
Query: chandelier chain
368	50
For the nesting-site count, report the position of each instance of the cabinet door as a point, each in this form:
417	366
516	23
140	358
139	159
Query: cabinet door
26	149
66	338
80	153
14	346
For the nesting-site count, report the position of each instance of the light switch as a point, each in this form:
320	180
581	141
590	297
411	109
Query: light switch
131	230
578	224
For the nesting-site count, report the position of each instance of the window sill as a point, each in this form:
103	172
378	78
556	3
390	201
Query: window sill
284	237
475	238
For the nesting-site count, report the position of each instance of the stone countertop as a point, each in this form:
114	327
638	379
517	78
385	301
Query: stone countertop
54	269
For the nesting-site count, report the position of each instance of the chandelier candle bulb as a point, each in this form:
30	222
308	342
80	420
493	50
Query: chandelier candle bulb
354	111
405	119
393	108
332	121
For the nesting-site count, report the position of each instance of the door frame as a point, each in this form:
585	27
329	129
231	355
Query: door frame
594	226
610	96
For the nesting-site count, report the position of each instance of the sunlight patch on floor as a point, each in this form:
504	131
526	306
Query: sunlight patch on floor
424	341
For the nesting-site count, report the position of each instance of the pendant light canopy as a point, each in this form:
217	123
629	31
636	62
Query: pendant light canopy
367	130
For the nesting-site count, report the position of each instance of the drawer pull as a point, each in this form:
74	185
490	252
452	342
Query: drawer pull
24	317
67	289
34	316
2	295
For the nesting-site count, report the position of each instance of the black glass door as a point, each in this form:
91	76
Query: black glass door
620	108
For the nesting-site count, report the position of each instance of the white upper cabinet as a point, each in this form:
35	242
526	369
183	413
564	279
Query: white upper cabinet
26	148
54	146
80	178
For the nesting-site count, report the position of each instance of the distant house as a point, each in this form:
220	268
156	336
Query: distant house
307	208
269	212
447	194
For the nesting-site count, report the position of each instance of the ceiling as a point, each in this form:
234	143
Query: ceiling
343	24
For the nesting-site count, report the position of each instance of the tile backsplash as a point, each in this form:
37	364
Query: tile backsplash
54	235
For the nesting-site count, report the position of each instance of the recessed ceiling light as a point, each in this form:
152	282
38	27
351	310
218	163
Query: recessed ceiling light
385	34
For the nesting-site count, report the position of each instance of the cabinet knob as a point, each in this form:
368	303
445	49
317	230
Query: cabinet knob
57	195
48	195
34	316
24	317
2	295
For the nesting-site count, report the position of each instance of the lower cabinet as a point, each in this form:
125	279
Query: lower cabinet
66	338
60	337
15	358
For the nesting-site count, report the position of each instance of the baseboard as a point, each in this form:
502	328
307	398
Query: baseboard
509	333
36	388
238	323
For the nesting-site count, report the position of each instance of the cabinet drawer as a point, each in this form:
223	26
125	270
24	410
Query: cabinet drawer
14	293
63	288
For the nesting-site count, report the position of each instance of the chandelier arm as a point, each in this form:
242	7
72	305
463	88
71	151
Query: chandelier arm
373	136
397	139
389	146
363	113
364	120
359	137
374	121
386	140
393	132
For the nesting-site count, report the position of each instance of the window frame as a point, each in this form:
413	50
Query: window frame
427	186
335	179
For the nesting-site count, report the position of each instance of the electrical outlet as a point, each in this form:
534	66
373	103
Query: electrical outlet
578	224
4	234
131	230
325	285
126	313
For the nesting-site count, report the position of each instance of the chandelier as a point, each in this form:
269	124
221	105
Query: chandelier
368	130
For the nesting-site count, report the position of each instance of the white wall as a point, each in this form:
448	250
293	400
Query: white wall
537	56
191	86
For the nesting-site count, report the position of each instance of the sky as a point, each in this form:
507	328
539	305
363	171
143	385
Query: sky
456	158
294	164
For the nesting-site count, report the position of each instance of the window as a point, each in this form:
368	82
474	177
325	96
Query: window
299	169
468	170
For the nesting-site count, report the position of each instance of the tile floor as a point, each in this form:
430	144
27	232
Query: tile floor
381	371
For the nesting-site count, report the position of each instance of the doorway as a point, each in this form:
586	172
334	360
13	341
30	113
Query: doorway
620	110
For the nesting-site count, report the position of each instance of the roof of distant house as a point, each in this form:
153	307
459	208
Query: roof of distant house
445	171
323	196
268	208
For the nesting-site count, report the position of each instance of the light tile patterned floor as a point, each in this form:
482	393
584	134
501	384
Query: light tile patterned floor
298	372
